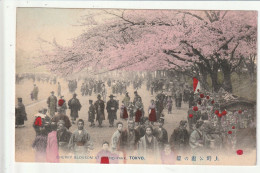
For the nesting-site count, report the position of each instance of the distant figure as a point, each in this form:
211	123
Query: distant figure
59	89
20	114
74	106
35	92
91	113
52	104
169	104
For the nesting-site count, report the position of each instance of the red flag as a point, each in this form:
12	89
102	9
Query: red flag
196	85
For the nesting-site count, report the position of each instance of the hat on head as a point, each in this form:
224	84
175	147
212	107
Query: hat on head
111	96
90	101
161	120
74	94
183	122
135	92
52	92
20	99
98	96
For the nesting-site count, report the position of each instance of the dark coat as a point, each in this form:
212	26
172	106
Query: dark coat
123	143
179	138
101	114
74	106
112	107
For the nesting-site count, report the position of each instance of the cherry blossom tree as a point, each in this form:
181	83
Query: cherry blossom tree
197	43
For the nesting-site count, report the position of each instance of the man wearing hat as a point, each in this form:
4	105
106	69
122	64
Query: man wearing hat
112	107
20	114
161	134
100	110
52	104
179	139
63	117
136	97
74	106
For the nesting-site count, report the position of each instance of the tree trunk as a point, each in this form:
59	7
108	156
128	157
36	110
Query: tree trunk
214	80
227	84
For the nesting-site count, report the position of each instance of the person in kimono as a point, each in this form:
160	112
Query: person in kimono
116	136
169	104
126	100
39	121
100	110
35	92
74	106
136	98
62	104
20	114
148	145
112	107
40	145
196	141
152	112
139	110
63	135
52	104
91	113
80	141
130	110
104	92
128	139
52	150
123	111
59	89
161	134
61	116
179	139
83	89
178	99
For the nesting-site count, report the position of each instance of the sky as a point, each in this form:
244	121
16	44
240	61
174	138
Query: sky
45	23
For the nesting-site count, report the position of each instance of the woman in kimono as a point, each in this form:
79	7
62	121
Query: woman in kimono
152	112
52	150
148	145
123	111
139	110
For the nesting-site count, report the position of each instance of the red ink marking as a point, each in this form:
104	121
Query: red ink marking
229	132
224	113
207	97
233	127
104	160
239	152
219	115
201	95
190	116
216	112
240	111
195	108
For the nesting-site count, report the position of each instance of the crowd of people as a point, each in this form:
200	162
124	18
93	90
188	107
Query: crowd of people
207	126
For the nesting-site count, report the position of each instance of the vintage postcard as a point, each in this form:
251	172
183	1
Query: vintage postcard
128	86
